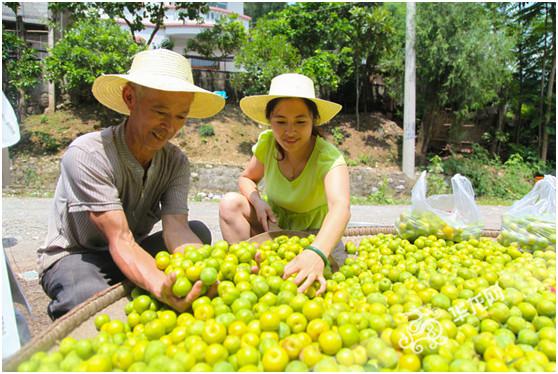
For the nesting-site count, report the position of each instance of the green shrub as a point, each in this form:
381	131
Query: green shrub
90	48
338	135
206	130
45	141
436	181
490	177
383	195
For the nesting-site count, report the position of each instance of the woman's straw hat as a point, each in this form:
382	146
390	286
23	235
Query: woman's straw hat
159	69
288	85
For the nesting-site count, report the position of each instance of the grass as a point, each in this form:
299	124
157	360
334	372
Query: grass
370	200
484	201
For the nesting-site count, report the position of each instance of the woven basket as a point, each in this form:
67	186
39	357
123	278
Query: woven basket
79	323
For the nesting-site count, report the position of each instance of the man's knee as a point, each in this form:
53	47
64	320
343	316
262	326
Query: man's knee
71	281
201	230
67	295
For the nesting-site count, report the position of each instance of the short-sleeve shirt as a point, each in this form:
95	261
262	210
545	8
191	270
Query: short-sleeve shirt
300	204
98	174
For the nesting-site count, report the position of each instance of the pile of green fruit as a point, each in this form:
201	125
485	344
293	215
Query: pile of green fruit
413	224
530	233
363	322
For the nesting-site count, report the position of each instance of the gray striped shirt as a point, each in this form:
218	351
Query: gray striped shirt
98	174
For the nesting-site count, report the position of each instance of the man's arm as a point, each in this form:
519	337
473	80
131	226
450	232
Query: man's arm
177	232
135	263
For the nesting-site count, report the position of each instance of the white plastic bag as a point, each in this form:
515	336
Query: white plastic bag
531	221
10	127
454	217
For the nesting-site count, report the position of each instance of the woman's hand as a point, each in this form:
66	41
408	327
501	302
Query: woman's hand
309	266
264	213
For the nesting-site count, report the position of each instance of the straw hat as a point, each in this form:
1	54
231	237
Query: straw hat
159	69
288	85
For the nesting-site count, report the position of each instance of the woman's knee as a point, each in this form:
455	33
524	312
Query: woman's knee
231	204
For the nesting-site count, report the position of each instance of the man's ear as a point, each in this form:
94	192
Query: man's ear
129	96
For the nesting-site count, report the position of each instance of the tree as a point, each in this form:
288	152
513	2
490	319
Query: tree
226	37
325	37
134	13
260	9
264	56
537	56
22	69
368	33
89	48
462	62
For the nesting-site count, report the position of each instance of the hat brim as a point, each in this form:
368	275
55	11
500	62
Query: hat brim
254	107
107	89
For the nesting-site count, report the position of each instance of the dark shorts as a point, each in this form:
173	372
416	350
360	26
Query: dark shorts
76	277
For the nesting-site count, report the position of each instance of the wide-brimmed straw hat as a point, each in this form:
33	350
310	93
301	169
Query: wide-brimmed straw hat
288	85
159	69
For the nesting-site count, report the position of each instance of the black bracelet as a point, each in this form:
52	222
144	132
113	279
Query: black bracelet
319	253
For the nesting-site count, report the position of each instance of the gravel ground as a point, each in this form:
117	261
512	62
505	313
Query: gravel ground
24	225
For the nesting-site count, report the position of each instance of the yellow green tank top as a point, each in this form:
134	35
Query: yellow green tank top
300	204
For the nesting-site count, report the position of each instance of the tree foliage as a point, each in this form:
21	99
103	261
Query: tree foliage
23	69
225	37
265	56
260	9
135	13
534	25
321	40
463	60
90	48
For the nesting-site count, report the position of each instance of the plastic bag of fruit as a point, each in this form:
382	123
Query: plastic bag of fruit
531	221
453	217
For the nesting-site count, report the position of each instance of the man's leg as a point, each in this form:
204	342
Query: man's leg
76	277
155	243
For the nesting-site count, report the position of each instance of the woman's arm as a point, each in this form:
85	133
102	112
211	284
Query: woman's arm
249	179
308	265
248	186
338	195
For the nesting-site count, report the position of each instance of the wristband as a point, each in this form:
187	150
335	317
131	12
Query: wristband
319	253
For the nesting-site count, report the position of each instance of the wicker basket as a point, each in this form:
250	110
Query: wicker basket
79	323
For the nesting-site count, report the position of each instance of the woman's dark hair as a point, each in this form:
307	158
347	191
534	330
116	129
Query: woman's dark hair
312	108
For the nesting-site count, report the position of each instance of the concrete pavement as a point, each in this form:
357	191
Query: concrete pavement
24	223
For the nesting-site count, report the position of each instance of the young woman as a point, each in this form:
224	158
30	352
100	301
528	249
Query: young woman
306	178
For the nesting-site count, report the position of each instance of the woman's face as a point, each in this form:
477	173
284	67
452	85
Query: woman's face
291	123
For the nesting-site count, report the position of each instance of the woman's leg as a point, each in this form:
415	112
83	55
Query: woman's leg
237	218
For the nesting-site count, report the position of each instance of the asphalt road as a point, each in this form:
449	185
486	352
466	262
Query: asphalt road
24	223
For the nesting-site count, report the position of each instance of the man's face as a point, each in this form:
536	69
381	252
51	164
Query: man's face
156	116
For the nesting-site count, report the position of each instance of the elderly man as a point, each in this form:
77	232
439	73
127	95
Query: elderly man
115	184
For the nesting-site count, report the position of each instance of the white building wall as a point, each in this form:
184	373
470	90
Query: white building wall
180	32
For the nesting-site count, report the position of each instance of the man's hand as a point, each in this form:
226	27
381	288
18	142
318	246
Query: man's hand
181	304
309	267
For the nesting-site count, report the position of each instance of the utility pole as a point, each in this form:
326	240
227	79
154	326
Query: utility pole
409	119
